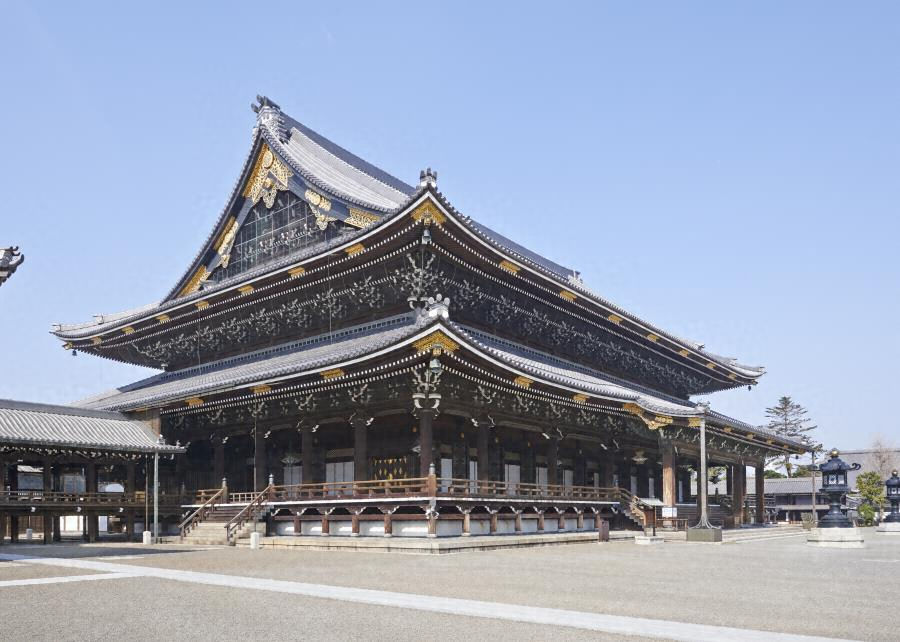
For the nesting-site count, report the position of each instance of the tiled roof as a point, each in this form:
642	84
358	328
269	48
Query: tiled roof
289	359
574	375
336	170
32	424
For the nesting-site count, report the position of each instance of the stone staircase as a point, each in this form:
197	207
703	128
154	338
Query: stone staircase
211	531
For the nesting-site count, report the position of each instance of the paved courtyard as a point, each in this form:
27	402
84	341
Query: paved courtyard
584	591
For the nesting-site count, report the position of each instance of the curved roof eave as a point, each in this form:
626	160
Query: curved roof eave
572	282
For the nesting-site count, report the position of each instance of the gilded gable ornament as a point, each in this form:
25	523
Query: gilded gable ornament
269	176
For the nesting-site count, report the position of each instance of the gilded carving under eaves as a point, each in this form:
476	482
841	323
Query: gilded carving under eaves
270	175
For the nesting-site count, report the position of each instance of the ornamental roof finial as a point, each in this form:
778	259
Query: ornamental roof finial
268	113
428	177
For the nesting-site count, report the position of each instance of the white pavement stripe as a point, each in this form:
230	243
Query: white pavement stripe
64	579
617	624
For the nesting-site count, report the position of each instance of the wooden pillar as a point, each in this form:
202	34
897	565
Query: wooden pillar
389	522
48	476
47	527
90	486
431	516
540	521
742	473
552	461
260	461
609	469
580	522
737	493
297	526
354	522
467	521
57	528
218	445
426	442
518	522
325	526
484	438
669	467
13	528
760	494
561	521
493	521
360	450
306	455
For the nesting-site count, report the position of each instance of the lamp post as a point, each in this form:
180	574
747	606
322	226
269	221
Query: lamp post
834	484
893	494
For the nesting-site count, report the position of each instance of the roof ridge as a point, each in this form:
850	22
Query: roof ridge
59	409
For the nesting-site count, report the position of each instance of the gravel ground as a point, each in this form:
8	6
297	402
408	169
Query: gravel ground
778	585
145	608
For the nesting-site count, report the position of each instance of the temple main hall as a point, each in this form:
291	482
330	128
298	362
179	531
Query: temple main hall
350	355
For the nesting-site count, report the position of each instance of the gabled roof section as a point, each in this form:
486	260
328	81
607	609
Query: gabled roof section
287	155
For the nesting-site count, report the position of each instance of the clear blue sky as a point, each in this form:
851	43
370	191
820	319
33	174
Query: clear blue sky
728	171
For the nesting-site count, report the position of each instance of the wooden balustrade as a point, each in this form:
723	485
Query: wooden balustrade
19	497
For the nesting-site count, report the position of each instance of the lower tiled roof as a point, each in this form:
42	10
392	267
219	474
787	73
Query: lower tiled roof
289	359
32	424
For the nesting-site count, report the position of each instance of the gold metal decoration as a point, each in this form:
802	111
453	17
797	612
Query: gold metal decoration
163	318
194	283
652	337
509	266
580	398
568	296
332	374
658	422
322	220
360	218
245	289
68	345
317	201
96	340
226	240
269	176
750	435
128	330
633	408
694	422
770	441
201	305
428	213
296	272
684	353
615	318
732	376
195	401
437	342
727	429
710	365
524	382
261	389
354	249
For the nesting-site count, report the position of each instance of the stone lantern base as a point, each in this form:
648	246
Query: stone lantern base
836	538
888	527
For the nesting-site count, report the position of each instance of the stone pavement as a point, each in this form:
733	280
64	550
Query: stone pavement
579	591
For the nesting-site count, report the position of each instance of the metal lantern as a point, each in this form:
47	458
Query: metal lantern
834	484
893	495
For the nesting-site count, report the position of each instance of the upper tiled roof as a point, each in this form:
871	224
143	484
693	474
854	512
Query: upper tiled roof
31	424
344	175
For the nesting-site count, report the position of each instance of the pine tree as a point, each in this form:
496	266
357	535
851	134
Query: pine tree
788	419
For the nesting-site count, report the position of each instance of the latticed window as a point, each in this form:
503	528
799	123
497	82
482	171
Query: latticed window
271	233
